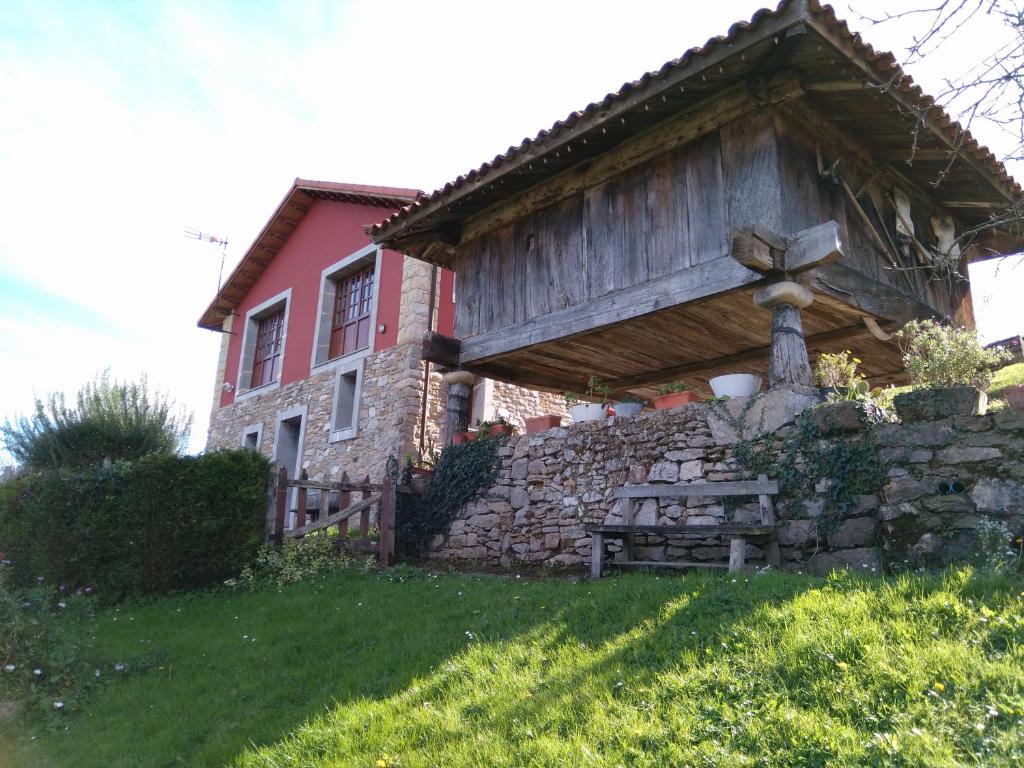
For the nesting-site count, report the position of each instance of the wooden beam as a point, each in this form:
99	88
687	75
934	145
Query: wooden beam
440	349
870	295
747	355
732	488
724	529
752	252
812	248
836	86
714	277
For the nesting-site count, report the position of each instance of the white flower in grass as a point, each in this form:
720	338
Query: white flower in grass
120	666
37	672
58	705
97	673
62	605
9	667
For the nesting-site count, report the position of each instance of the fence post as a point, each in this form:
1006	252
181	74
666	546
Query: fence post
281	506
344	500
364	516
300	505
388	498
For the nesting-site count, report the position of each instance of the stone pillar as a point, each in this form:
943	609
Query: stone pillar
460	390
788	364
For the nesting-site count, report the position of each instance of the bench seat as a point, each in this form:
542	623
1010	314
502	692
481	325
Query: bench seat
726	529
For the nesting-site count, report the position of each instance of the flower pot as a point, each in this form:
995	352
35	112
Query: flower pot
542	423
933	404
735	385
497	430
675	399
628	409
587	412
1015	397
462	437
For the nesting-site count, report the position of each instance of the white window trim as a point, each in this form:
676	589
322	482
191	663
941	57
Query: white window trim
342	366
252	318
258	429
325	301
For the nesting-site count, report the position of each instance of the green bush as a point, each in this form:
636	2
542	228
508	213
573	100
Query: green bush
945	356
110	420
158	524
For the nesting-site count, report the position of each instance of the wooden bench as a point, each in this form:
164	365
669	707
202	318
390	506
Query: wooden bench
738	533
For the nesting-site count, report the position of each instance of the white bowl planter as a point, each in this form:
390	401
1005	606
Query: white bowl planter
735	385
587	412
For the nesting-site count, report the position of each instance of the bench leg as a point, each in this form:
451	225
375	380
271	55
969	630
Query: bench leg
737	554
596	555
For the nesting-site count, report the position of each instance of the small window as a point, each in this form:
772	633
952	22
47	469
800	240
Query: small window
251	437
353	305
266	364
345	413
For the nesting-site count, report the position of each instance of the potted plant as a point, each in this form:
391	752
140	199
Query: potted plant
836	375
949	371
463	437
496	428
581	410
735	385
674	394
542	423
629	405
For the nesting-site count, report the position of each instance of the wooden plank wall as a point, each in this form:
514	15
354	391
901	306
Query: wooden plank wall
654	219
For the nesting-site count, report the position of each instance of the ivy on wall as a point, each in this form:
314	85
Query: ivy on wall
462	472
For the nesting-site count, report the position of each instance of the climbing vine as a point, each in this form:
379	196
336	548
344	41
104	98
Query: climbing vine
808	463
462	472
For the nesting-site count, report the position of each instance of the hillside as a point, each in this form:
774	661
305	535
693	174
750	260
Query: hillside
409	668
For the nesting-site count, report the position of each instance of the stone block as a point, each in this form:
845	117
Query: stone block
520	469
663	472
518	498
864	559
552	540
691	470
647	514
838	418
797	533
956	502
484	522
768	413
688	454
967	454
995	495
906	488
855	532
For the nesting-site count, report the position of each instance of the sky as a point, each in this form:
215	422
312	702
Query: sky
122	124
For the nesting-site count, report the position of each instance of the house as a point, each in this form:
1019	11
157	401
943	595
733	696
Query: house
636	240
320	365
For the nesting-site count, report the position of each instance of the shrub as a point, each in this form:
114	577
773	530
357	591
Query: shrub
115	420
158	524
946	356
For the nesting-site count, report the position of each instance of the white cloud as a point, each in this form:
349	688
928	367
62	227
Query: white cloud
125	124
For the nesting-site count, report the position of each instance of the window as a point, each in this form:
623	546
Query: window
348	385
264	338
353	305
252	436
266	364
347	319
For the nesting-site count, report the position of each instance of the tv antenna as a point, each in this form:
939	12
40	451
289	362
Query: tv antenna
195	234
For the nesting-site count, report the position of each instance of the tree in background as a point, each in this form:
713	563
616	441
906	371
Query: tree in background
109	420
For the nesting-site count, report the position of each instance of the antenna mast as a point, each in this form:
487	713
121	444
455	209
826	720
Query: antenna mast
195	234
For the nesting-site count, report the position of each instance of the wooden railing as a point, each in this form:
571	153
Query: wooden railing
383	495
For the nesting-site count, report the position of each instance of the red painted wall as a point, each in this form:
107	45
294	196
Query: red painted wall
446	304
328	232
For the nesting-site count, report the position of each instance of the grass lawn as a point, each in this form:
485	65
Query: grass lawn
1005	377
412	669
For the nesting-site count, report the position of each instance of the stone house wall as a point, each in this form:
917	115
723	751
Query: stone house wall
553	484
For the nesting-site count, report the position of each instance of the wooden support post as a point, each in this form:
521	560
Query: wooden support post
628	516
344	499
300	504
596	555
325	504
364	516
460	390
771	547
788	364
388	502
281	506
737	553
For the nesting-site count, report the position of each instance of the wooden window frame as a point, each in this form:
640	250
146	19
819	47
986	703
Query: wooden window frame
352	314
281	303
357	262
268	355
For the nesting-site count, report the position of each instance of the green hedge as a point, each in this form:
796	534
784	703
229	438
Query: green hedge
158	524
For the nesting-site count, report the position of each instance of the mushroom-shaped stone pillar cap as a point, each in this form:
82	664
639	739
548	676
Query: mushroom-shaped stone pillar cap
786	292
460	377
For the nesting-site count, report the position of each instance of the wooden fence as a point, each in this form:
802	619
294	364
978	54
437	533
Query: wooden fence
382	495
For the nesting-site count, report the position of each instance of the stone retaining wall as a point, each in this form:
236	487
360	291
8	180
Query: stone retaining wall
551	485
